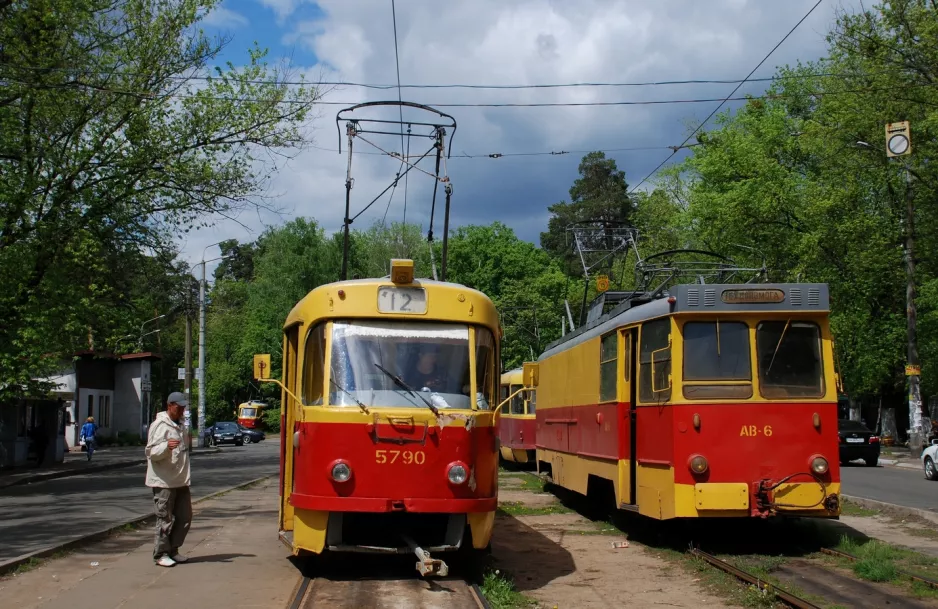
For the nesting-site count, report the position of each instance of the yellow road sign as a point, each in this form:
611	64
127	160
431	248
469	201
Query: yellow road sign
602	283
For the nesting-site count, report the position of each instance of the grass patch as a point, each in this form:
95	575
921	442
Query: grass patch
851	509
29	565
515	508
529	482
882	562
500	592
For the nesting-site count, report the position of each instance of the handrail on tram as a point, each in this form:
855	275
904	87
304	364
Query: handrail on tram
498	408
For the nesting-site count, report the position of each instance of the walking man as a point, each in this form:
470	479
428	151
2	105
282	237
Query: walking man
168	475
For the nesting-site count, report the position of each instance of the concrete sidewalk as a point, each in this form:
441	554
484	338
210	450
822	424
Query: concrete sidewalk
235	557
76	463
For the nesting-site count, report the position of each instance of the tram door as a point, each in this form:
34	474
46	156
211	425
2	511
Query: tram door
630	379
288	412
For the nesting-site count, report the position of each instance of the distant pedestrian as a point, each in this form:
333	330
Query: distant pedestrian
88	431
168	475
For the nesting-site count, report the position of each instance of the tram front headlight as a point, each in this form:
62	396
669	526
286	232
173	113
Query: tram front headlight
819	465
457	474
341	472
698	464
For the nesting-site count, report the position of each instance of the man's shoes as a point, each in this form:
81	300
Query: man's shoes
166	561
179	558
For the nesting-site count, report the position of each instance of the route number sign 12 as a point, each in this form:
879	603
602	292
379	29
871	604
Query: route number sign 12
402	300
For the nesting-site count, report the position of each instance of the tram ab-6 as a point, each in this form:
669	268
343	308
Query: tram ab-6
516	427
388	424
712	401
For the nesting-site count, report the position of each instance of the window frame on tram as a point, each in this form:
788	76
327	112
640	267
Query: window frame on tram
719	383
608	367
317	373
646	352
784	392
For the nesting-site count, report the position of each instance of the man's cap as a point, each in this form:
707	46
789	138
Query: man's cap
178	397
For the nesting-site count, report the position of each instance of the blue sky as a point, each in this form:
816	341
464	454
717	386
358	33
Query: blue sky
505	42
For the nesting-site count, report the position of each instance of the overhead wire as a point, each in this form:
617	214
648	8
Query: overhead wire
728	98
381	86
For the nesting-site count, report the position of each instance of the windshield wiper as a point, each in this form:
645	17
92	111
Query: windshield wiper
346	392
400	383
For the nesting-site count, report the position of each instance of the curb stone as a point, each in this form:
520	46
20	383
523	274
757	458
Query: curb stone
13	563
78	471
892	509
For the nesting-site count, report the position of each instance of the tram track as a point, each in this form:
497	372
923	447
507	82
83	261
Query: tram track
431	593
931	583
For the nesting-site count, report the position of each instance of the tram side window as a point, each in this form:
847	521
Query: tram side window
313	366
789	359
654	343
532	401
517	402
716	360
504	396
608	358
485	369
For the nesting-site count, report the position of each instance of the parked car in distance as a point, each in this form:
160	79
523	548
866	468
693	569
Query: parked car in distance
857	442
251	435
930	461
227	432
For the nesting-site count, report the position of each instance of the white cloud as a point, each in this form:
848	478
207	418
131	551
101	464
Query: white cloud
283	8
527	42
222	17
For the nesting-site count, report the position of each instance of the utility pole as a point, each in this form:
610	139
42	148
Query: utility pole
202	357
899	143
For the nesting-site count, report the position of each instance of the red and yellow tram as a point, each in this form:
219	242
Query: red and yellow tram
516	427
388	418
251	414
713	401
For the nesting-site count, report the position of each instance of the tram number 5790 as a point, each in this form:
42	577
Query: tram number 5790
407	457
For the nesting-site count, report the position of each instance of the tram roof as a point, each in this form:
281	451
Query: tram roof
704	299
300	311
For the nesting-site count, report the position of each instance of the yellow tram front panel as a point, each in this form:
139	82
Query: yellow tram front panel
393	428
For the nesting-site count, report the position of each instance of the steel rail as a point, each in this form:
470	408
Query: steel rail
924	580
786	597
301	599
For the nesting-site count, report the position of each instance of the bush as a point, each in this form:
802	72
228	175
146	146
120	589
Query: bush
272	420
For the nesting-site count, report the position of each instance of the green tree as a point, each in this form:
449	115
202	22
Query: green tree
108	147
600	194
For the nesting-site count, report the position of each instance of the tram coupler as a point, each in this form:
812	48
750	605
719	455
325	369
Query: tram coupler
426	564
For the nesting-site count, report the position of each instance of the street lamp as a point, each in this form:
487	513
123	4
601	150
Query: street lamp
202	344
140	342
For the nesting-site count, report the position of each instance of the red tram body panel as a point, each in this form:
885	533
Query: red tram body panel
687	411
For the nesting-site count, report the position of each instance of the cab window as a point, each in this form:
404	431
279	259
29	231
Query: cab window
485	368
532	401
314	364
716	360
655	338
504	396
789	354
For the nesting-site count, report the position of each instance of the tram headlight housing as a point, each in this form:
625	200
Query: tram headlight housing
819	465
457	473
698	464
341	471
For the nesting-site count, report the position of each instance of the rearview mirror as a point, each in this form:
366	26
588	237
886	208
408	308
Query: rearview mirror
530	374
262	366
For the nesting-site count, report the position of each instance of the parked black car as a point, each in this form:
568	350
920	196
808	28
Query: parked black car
226	432
251	435
857	442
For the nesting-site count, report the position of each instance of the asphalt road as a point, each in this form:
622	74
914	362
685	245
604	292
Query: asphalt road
36	516
907	487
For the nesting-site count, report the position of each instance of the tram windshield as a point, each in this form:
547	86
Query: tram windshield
429	358
789	359
249	412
